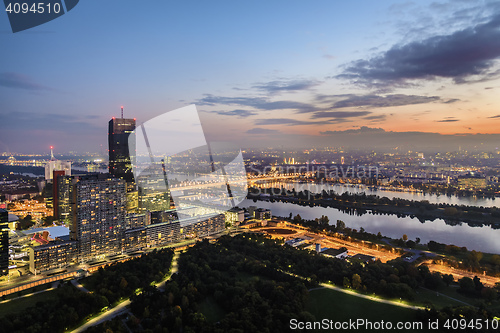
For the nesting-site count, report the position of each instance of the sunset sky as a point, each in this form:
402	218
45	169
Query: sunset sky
259	72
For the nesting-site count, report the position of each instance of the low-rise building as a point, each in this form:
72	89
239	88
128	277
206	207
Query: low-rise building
56	254
341	253
234	216
203	226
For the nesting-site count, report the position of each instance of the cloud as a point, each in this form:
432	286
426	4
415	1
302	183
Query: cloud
290	122
285	86
361	130
464	56
453	100
378	101
263	131
380	139
20	81
259	103
447	120
340	114
377	118
238	113
497	116
30	121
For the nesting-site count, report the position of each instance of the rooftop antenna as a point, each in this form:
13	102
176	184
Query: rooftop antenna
122	111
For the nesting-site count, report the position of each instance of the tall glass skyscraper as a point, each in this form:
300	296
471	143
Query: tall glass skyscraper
119	156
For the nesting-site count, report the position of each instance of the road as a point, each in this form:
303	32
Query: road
123	306
354	247
487	280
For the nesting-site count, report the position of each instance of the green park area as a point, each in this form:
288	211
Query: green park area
340	307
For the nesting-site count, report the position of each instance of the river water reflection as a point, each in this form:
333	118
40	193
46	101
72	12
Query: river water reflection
418	196
483	238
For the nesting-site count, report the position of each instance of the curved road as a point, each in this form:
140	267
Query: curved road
122	307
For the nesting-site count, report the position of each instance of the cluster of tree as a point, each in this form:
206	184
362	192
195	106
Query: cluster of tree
69	308
475	288
395	279
72	306
470	260
48	221
449	249
120	280
459	319
322	224
25	223
448	189
251	295
356	203
258	285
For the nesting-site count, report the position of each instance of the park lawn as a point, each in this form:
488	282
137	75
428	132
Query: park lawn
23	303
338	306
425	297
211	310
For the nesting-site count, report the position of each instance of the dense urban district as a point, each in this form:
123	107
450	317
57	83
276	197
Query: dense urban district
88	244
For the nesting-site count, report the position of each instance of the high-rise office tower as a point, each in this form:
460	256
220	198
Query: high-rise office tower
97	214
119	156
4	242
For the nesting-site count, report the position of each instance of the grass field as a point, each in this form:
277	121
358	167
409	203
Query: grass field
426	297
20	304
339	307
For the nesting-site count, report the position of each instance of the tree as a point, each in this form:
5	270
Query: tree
495	259
466	285
340	225
346	283
324	220
297	219
489	294
448	279
411	244
478	285
356	281
476	256
450	211
123	283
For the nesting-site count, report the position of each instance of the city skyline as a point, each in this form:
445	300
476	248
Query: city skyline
334	74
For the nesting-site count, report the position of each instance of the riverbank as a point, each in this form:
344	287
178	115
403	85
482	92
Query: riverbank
362	204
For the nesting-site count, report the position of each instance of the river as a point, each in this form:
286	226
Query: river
413	195
483	238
